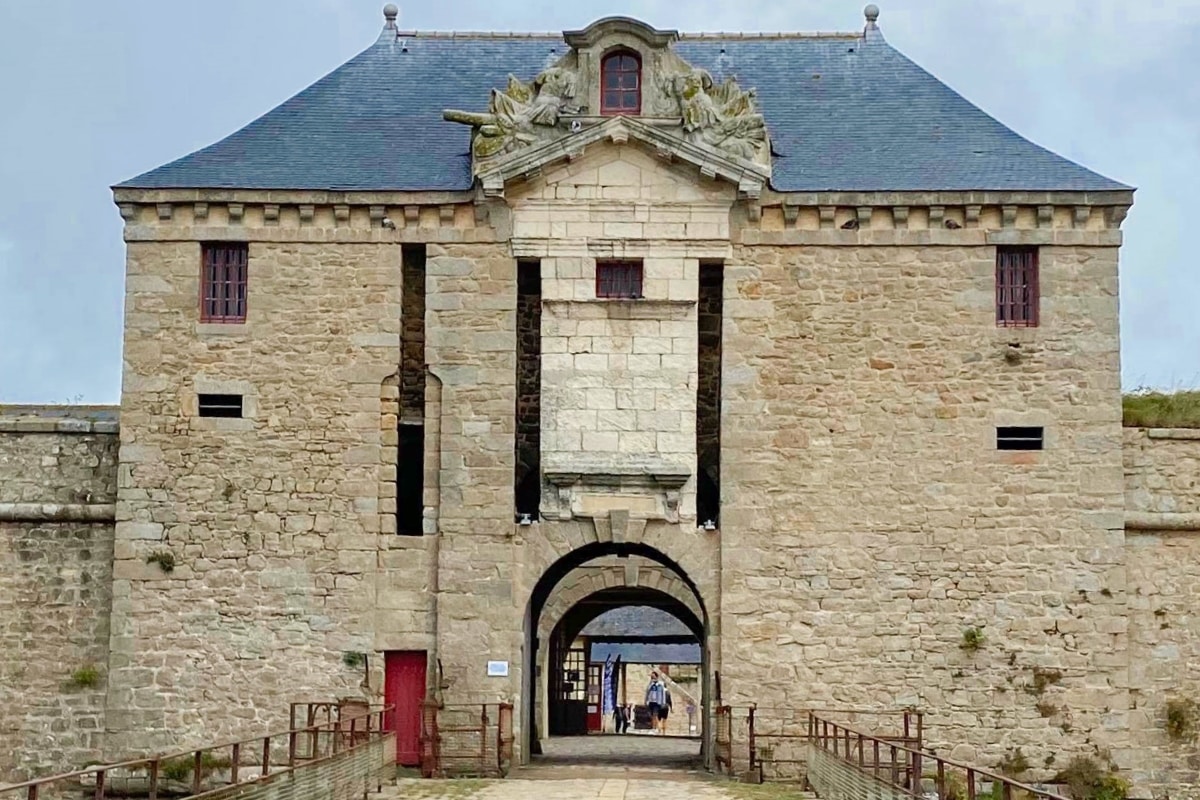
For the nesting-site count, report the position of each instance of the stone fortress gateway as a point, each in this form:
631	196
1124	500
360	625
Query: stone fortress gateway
774	332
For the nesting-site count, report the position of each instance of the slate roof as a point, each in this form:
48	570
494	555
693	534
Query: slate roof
647	653
846	113
635	621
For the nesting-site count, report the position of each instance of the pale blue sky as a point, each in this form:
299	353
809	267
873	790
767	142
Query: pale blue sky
95	93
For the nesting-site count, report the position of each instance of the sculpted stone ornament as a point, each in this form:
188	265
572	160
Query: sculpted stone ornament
721	116
520	115
725	117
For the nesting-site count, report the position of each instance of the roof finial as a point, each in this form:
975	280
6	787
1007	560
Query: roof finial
390	12
871	12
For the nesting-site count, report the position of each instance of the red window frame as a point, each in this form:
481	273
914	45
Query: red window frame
619	279
1018	294
621	83
223	282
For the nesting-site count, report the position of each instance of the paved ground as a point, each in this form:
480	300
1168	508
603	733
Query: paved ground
612	767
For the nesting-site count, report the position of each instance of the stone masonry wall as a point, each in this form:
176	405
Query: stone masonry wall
1162	473
868	519
55	592
274	519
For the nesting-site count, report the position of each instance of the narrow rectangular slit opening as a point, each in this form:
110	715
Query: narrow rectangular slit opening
527	477
410	428
708	394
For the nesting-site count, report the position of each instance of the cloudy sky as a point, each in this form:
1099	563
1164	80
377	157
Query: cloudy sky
95	93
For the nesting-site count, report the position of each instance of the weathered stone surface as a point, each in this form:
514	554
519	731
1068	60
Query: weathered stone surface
55	594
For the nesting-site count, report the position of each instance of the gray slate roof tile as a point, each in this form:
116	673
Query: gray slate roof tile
844	114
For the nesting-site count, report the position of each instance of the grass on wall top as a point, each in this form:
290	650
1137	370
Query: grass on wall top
1150	409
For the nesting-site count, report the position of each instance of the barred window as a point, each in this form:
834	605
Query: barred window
1017	297
619	279
223	282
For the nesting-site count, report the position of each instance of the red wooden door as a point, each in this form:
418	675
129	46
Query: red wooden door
595	683
404	688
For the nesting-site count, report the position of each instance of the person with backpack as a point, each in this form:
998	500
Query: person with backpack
657	699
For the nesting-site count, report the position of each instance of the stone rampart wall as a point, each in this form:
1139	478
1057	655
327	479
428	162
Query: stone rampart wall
55	588
1162	556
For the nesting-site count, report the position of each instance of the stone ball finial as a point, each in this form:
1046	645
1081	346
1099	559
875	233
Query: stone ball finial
390	12
871	12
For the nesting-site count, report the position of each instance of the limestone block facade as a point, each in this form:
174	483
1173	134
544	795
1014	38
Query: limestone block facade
450	430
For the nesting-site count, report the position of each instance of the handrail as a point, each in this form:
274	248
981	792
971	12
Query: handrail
338	727
826	733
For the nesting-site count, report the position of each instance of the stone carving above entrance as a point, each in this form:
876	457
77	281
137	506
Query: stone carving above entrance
564	100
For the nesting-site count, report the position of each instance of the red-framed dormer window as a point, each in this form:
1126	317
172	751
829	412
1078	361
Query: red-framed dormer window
621	83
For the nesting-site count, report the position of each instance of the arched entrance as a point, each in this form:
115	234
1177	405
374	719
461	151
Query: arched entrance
555	700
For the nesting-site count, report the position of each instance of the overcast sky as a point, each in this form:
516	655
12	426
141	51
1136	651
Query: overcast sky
94	93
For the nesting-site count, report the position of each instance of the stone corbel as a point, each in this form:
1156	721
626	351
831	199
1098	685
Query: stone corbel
790	214
271	214
971	215
863	215
673	497
341	213
236	210
753	210
1115	215
493	186
446	215
200	211
827	215
1008	216
937	215
165	210
412	216
564	501
129	211
1045	216
900	216
307	211
377	214
1081	217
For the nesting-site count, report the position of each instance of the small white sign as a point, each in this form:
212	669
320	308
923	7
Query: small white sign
497	669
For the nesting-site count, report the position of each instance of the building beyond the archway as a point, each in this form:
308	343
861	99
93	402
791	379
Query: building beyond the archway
777	326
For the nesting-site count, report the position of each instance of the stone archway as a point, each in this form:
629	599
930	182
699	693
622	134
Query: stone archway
589	579
668	574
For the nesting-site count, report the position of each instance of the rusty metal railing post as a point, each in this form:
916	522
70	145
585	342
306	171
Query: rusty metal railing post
32	792
752	743
154	779
236	760
483	722
337	735
266	769
941	779
99	785
291	748
861	761
875	766
197	764
970	784
895	766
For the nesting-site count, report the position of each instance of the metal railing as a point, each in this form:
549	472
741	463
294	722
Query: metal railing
778	736
886	767
466	740
327	761
771	743
723	739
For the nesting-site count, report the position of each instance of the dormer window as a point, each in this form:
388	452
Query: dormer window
621	83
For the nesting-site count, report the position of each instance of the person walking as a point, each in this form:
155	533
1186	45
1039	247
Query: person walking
656	703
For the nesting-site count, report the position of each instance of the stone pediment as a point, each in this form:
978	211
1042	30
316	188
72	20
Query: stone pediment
680	109
748	176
